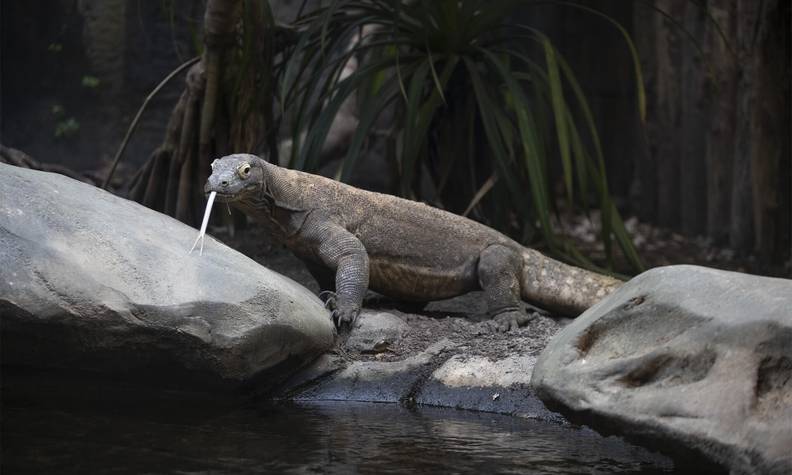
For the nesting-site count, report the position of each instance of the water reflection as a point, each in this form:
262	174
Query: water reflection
323	438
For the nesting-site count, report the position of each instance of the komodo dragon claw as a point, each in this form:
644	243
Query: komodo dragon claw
329	299
339	316
330	303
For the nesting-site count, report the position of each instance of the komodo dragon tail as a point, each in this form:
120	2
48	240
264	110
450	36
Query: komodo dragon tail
562	288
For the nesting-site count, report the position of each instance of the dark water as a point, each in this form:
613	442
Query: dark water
68	437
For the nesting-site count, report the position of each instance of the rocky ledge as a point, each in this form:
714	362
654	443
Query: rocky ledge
444	354
447	360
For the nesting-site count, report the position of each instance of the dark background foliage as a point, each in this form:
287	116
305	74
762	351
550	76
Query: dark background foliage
712	160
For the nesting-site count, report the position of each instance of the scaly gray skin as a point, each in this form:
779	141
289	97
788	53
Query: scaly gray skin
397	247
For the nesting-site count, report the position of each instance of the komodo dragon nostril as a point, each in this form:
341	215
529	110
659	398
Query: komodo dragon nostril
224	184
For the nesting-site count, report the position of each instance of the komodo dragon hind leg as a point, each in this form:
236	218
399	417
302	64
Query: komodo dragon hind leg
499	271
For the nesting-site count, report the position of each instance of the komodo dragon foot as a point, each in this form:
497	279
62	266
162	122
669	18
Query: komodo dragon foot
512	320
343	316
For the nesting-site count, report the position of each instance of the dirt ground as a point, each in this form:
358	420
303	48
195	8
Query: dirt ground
661	247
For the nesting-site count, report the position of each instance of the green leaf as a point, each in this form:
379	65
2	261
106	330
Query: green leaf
418	40
422	120
434	75
639	83
559	113
67	128
318	129
494	138
589	120
370	108
532	159
410	120
485	188
91	82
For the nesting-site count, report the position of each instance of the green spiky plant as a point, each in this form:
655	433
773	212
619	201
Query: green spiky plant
472	95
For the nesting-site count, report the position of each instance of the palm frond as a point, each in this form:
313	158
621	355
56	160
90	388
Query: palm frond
424	63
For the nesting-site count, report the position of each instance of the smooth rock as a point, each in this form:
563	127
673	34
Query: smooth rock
375	332
479	371
483	384
697	357
90	281
375	381
457	367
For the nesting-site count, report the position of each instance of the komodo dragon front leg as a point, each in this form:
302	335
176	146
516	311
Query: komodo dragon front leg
342	252
499	269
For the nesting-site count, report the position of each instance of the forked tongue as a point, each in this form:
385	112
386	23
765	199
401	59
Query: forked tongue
202	234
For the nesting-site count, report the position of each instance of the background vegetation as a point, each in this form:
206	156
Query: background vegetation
711	158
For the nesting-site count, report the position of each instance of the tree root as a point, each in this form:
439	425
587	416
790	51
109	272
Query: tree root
19	158
207	120
133	125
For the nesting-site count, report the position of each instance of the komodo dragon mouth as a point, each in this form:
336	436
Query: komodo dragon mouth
223	197
231	180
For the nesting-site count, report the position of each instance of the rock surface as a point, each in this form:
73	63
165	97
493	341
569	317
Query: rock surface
687	354
425	348
91	281
375	332
448	362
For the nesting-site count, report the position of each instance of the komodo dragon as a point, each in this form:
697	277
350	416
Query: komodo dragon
397	247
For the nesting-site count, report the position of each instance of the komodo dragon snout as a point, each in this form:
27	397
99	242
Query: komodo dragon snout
235	177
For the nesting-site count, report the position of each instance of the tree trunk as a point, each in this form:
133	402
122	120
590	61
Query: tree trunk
742	232
721	93
718	128
644	190
693	127
768	132
104	33
664	128
224	108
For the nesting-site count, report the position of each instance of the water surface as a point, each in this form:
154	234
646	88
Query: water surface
289	438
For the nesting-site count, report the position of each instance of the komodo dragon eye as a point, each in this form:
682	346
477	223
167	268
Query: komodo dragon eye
244	170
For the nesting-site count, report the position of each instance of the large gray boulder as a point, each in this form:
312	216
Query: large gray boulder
90	281
691	355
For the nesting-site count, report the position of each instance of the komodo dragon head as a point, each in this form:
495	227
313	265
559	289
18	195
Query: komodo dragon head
237	177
